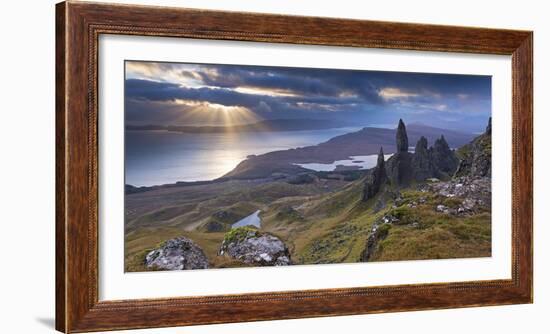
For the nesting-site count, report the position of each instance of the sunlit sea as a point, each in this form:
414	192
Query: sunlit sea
160	157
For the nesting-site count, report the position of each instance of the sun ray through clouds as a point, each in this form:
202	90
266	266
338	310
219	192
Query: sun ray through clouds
217	114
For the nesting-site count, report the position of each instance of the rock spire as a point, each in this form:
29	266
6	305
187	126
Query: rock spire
443	157
421	161
489	126
401	137
376	179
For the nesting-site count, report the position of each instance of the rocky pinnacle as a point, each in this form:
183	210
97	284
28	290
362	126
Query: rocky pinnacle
422	161
421	145
443	157
401	137
380	161
376	179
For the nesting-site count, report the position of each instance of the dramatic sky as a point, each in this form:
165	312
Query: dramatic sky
203	94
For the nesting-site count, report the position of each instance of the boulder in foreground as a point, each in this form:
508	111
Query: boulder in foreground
255	248
177	254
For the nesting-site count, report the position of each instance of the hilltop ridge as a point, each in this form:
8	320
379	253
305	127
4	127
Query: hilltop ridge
366	141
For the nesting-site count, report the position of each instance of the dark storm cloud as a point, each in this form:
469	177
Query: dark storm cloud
277	92
138	89
330	82
304	82
163	91
273	78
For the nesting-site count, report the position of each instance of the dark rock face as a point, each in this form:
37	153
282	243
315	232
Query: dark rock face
376	179
177	254
475	157
421	146
401	137
438	161
443	157
422	161
399	165
399	169
378	232
255	248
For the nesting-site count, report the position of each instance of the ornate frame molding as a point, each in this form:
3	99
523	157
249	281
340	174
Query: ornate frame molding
78	27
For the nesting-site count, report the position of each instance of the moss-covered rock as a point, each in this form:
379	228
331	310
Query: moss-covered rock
252	247
239	234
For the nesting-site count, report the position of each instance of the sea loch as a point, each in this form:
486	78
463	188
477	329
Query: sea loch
162	157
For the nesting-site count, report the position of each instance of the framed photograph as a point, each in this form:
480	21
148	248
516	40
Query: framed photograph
222	167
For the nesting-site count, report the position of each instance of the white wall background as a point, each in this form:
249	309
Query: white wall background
27	165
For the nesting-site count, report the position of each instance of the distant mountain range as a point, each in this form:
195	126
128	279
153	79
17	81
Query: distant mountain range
272	125
366	141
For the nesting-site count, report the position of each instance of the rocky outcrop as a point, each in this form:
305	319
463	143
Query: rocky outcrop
465	195
177	254
376	179
422	161
443	158
437	161
402	167
471	194
255	248
475	157
399	169
379	231
399	166
401	137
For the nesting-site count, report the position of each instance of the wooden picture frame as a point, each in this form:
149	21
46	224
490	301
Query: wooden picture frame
78	27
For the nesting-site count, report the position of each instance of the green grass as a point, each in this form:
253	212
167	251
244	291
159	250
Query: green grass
440	241
143	240
322	227
239	234
482	141
435	235
334	246
222	223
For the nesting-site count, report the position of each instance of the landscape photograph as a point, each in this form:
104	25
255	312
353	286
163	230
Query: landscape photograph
233	166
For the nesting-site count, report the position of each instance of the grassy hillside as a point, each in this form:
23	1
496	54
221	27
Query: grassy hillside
320	224
424	233
203	213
